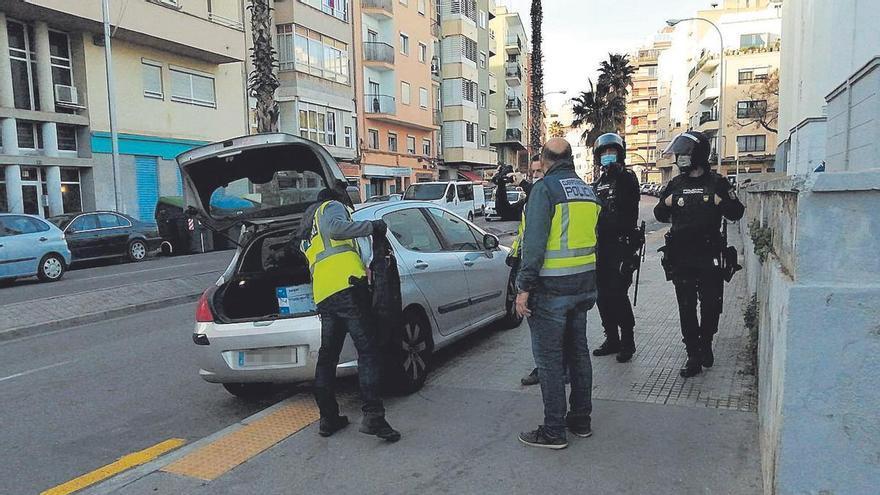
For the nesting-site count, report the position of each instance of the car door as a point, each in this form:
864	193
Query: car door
114	234
465	200
23	244
486	284
83	237
437	272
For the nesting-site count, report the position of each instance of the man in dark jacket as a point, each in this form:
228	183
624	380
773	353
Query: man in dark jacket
618	191
695	202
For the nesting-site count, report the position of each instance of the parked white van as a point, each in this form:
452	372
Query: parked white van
479	200
457	197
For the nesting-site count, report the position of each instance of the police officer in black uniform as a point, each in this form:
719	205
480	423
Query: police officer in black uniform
694	203
618	191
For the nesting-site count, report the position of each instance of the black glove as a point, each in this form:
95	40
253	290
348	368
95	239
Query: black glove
380	228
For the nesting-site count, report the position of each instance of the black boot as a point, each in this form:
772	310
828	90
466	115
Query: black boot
607	348
331	425
706	354
376	425
627	347
530	379
692	367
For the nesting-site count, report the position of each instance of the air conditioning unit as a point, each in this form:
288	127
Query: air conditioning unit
66	95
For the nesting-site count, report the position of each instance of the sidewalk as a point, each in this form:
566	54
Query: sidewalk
654	431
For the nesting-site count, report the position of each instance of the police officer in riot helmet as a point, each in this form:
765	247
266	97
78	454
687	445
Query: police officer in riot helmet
618	241
694	257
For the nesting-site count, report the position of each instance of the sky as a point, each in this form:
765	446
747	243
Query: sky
579	34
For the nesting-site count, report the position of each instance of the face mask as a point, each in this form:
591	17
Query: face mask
607	160
684	163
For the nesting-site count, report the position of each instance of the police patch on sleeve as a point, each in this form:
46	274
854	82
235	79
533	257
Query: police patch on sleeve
575	189
680	201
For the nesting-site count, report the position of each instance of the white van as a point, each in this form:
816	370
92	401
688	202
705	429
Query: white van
457	197
479	200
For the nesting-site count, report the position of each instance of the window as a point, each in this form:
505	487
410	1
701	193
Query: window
749	76
469	90
422	7
22	58
484	138
348	137
405	93
423	97
411	145
412	231
484	19
193	89
374	139
310	52
455	231
16	225
110	221
751	143
71	196
752	40
59	56
392	141
84	223
336	8
426	147
331	128
750	109
469	49
483	99
469	131
482	60
152	76
423	52
404	44
66	137
29	136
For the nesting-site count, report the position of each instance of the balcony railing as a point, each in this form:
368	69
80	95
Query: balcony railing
225	21
513	135
514	104
708	117
375	51
512	70
384	5
513	43
380	104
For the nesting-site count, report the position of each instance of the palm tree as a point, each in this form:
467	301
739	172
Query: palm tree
598	111
536	75
616	73
556	129
262	81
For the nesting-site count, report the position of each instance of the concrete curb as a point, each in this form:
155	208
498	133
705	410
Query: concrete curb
30	330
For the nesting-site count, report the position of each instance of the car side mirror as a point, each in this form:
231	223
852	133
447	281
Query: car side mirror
490	242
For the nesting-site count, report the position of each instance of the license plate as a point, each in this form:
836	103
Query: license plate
267	357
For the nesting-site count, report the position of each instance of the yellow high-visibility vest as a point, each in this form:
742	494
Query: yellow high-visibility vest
332	263
517	242
571	245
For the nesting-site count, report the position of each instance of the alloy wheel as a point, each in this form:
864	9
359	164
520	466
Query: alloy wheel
413	345
138	250
53	268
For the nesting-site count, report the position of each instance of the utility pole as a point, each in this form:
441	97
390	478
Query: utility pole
111	103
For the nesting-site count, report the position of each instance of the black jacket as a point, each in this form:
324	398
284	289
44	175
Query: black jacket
618	191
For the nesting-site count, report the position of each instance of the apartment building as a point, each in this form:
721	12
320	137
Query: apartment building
509	104
642	109
466	46
396	102
179	83
316	98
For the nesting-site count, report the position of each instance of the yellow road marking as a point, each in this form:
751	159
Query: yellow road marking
126	462
233	449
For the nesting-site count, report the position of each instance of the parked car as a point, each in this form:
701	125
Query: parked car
458	197
454	278
107	234
645	187
479	200
31	246
512	197
385	198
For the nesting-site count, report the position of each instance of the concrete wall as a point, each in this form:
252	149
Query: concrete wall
854	121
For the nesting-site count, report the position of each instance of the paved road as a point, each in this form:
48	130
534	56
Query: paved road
112	274
81	398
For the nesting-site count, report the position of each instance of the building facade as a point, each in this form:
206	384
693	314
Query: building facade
179	81
642	110
395	94
509	104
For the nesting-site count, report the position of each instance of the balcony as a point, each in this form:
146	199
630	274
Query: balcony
513	135
513	45
492	43
379	55
493	84
708	117
378	9
514	106
513	73
435	67
709	95
493	120
378	106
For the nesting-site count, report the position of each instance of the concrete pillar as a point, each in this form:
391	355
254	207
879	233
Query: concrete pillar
14	198
9	132
53	187
44	67
6	96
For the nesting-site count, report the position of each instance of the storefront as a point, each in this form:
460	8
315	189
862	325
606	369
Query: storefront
379	181
35	190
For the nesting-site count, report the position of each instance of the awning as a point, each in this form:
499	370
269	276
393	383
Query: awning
471	176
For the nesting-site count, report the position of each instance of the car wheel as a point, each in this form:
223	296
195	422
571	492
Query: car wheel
511	319
137	250
411	353
250	391
51	268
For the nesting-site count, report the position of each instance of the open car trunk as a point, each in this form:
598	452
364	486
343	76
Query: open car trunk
271	281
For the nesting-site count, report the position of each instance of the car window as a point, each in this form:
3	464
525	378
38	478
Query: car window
85	222
455	231
450	194
412	230
109	220
16	225
465	192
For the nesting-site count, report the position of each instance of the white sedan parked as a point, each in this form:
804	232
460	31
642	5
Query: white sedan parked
454	278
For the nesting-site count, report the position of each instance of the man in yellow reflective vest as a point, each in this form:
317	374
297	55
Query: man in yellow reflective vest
556	287
339	286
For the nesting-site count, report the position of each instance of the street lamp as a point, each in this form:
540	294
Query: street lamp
718	148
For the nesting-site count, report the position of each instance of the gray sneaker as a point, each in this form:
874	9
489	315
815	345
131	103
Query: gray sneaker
543	438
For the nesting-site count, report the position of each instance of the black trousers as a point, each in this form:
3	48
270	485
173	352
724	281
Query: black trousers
348	313
615	308
704	286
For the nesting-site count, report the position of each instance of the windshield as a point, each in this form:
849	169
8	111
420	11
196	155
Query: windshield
425	192
287	192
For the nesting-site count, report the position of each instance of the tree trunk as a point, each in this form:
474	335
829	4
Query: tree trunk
262	81
536	103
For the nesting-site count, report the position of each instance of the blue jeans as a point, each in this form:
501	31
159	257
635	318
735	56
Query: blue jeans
347	312
559	335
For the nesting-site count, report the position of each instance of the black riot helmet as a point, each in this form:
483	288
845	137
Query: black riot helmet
691	149
606	141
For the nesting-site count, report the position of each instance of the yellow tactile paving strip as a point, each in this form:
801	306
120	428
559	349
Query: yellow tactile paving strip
228	451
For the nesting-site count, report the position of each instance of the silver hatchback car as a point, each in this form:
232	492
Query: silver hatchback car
254	327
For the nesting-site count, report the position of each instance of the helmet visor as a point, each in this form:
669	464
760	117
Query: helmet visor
683	144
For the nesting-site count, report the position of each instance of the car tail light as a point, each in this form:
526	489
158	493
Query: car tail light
203	309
